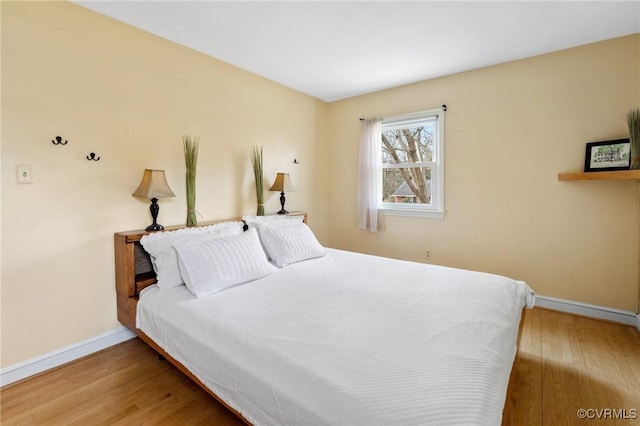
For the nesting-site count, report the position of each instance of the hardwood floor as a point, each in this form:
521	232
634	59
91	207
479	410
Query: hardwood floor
565	363
126	384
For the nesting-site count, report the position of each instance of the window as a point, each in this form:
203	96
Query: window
413	164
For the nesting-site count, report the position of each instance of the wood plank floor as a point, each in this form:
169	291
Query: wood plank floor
564	363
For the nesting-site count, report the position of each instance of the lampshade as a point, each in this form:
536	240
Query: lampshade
282	183
154	185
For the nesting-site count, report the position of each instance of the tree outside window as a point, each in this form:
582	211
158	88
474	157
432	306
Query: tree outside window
411	153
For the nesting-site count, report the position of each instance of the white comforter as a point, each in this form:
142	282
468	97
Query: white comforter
349	339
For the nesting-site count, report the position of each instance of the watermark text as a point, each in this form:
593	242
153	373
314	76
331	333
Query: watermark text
607	413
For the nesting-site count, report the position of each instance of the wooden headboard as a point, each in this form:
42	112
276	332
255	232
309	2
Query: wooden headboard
134	271
128	283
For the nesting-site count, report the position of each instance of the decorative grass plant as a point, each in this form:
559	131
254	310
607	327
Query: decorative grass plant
256	160
191	159
633	121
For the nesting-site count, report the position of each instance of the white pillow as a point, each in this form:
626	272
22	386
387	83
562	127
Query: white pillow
290	244
272	221
159	245
211	266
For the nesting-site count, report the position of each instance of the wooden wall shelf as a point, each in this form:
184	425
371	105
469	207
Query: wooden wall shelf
613	175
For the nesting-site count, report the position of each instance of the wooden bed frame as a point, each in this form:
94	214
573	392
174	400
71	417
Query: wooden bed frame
129	284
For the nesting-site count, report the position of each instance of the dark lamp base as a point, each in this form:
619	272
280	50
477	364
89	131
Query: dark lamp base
154	208
282	200
154	227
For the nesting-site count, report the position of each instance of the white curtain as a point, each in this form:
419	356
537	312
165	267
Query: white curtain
369	175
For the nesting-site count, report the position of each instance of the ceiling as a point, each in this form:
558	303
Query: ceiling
336	49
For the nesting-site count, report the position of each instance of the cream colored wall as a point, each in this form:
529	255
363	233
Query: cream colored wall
509	130
129	97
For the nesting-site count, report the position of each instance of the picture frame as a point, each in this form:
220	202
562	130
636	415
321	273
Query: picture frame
607	155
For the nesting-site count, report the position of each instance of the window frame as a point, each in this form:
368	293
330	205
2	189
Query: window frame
435	210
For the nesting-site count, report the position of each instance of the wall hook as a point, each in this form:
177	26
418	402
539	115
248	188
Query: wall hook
58	141
92	156
295	161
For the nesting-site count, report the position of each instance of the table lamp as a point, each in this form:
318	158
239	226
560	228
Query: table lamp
153	186
282	184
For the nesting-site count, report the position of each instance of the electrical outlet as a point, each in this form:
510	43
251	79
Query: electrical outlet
427	255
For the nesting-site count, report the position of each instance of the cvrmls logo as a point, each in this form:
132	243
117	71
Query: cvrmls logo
608	413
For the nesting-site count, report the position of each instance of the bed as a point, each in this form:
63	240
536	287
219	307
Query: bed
338	338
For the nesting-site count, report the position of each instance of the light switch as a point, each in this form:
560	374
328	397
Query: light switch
24	174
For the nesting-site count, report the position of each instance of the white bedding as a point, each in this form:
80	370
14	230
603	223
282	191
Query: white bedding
349	339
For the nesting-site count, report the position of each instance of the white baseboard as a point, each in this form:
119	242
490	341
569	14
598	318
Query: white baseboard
587	310
53	359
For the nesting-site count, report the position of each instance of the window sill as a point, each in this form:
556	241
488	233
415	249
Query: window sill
427	214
